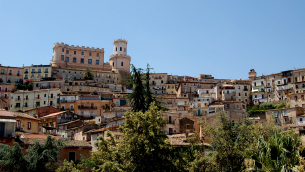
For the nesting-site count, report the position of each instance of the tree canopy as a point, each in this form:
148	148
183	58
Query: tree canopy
40	157
88	74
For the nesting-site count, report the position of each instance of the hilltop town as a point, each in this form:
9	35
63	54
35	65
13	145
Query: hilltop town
58	99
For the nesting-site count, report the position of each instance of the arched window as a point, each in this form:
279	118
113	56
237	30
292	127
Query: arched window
122	64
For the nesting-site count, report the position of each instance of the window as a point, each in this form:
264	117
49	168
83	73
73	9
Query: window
245	94
67	59
18	97
46	70
97	75
74	59
74	52
278	82
83	53
116	48
228	106
45	95
122	63
97	62
51	103
89	54
62	57
97	54
296	86
188	126
89	61
45	75
82	60
72	156
67	51
29	125
112	63
44	102
120	48
18	72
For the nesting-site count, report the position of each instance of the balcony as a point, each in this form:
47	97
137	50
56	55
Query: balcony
245	89
87	107
284	87
170	122
33	72
67	101
26	77
10	73
26	72
39	72
46	71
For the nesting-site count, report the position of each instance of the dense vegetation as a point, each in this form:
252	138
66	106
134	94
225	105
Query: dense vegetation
260	109
39	157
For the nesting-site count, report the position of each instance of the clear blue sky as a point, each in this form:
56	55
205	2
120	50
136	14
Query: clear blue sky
222	38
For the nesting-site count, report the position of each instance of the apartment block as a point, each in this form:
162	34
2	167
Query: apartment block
23	100
37	72
10	74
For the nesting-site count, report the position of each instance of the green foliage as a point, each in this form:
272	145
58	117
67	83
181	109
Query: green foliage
141	97
229	142
70	167
88	75
40	157
260	109
12	158
144	146
282	105
276	152
26	86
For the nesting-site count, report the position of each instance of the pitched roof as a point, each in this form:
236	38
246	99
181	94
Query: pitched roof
103	129
70	143
4	113
24	115
37	136
52	114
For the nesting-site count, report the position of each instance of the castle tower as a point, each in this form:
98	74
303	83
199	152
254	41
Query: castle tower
252	74
119	60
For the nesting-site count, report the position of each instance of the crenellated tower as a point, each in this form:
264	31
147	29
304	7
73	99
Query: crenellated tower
119	60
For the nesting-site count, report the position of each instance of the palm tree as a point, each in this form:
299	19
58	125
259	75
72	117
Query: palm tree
88	75
279	152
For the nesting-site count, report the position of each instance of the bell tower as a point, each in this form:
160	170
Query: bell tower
119	60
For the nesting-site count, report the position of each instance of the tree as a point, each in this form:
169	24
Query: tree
12	158
88	75
144	146
274	149
142	97
40	157
229	142
69	167
276	153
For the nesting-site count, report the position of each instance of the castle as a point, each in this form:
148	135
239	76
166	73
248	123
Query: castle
81	58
